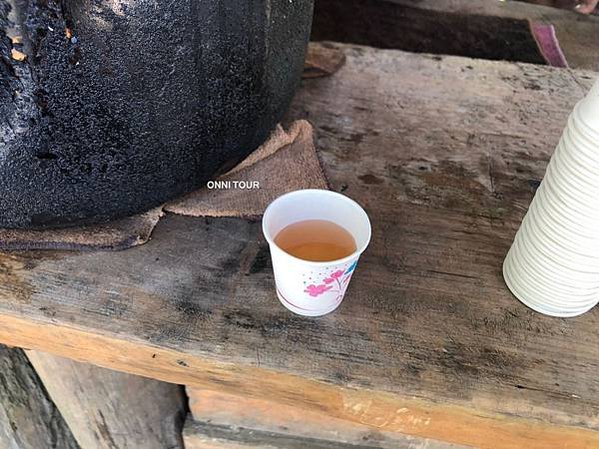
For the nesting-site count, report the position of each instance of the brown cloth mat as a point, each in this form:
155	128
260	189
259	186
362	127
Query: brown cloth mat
115	235
322	59
286	161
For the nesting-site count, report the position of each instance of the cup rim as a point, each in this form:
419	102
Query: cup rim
355	254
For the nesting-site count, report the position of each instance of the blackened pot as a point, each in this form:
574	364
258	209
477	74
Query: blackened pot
111	107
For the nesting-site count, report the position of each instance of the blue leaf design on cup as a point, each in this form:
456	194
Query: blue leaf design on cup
352	267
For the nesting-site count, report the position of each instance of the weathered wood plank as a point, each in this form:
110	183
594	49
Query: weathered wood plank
28	418
577	33
106	409
403	26
444	153
474	28
469	425
210	435
285	424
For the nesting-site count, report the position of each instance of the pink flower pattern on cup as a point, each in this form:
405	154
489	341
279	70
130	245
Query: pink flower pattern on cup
340	277
315	290
334	276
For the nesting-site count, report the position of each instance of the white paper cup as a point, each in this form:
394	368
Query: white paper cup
576	175
563	216
553	263
547	300
550	249
556	288
587	152
305	287
548	224
572	193
586	113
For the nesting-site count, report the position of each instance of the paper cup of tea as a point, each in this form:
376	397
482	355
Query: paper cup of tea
316	238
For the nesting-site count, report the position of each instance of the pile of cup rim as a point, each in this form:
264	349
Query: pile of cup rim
553	264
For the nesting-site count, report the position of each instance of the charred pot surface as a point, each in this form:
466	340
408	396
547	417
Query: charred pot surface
111	107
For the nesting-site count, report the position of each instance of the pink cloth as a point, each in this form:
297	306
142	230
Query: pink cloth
548	44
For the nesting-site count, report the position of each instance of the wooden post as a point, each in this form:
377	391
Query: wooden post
28	418
107	409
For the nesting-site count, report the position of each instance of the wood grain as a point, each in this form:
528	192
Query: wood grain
285	423
106	409
444	153
210	435
28	417
383	411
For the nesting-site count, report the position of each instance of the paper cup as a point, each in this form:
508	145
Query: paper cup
552	249
548	224
538	302
587	113
540	293
553	264
576	176
587	151
305	287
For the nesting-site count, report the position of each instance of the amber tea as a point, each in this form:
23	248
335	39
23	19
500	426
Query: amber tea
316	240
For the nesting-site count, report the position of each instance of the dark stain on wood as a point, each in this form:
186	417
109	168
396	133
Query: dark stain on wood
370	179
191	310
231	264
47	311
447	184
13	281
105	434
112	306
261	261
185	313
241	319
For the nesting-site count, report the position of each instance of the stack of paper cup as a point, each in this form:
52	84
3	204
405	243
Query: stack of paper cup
553	264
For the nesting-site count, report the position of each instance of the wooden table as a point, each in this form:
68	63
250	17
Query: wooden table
445	154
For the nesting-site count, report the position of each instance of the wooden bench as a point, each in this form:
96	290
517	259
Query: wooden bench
445	154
